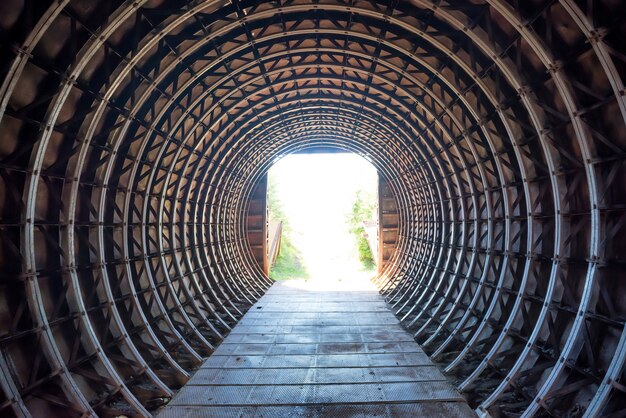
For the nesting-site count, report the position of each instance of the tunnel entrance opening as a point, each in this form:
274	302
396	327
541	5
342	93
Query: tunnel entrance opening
321	218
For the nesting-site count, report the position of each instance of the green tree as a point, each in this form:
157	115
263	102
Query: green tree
363	210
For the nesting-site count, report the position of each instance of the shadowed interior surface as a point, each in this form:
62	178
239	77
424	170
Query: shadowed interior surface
132	134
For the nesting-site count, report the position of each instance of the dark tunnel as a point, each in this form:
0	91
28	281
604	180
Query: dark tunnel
132	135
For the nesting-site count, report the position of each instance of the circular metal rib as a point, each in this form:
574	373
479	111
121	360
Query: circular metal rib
132	134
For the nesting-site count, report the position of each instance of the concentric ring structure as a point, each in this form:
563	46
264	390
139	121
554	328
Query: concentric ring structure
132	134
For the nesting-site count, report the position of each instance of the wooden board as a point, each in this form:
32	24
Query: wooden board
305	352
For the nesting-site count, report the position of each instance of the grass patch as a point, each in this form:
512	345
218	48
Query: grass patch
288	264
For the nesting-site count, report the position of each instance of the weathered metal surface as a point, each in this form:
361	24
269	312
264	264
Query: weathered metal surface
257	225
385	367
439	409
388	224
132	134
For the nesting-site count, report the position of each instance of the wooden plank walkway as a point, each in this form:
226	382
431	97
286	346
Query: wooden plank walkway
304	351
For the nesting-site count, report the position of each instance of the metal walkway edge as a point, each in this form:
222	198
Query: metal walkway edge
305	352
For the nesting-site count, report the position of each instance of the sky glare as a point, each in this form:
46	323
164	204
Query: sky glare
317	192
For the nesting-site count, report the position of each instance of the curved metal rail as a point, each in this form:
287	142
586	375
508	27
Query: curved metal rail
132	134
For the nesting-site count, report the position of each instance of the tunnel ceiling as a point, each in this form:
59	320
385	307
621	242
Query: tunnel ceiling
132	134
